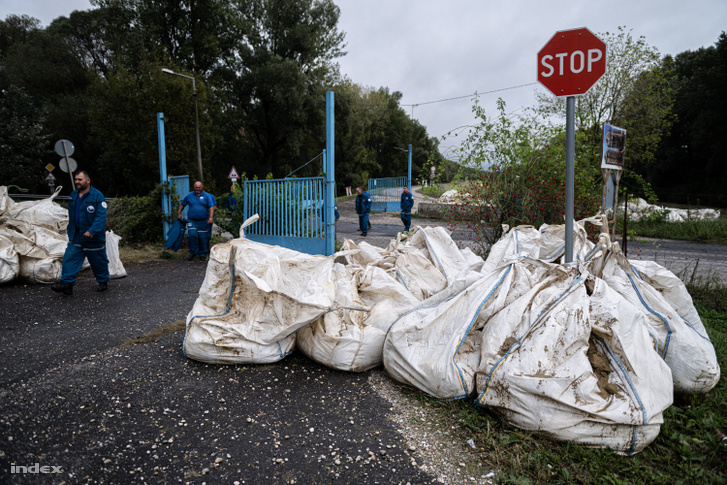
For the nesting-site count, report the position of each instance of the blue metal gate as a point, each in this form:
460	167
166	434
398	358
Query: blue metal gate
386	193
291	213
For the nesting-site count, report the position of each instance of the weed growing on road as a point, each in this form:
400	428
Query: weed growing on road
156	334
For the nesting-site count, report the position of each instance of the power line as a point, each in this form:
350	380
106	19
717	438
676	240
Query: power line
467	96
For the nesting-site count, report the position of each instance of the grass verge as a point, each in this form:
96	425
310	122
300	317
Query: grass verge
707	231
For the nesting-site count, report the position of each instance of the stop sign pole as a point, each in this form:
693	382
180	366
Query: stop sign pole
569	64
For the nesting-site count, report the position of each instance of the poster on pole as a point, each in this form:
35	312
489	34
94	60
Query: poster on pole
614	146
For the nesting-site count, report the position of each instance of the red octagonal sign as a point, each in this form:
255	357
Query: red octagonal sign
571	62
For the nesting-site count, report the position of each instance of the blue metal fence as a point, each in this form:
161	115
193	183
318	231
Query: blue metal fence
291	213
386	193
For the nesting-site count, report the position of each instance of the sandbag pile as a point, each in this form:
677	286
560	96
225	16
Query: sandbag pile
590	351
638	209
33	240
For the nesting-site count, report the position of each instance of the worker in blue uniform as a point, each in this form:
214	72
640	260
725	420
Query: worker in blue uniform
200	217
363	207
407	202
86	236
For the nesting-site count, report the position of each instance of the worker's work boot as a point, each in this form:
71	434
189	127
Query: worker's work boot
65	288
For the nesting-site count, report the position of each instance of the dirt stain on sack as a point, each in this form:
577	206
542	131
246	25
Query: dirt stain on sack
602	369
509	342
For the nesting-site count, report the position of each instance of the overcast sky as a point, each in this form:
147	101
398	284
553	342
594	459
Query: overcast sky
433	50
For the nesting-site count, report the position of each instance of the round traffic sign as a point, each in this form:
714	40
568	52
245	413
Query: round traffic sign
70	166
64	148
571	62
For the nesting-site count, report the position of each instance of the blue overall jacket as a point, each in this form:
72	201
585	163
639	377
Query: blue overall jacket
91	216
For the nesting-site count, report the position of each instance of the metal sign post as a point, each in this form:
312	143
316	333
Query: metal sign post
570	150
65	149
612	162
569	64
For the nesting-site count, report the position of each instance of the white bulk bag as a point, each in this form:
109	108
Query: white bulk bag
44	213
116	267
435	346
684	345
253	299
9	260
341	338
576	364
40	250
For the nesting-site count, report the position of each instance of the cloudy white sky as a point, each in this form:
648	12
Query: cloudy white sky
432	50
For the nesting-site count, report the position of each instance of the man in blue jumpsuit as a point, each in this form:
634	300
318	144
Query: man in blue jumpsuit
200	215
363	207
86	236
407	202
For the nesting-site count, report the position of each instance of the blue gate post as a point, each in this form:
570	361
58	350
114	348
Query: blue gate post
166	209
408	173
330	195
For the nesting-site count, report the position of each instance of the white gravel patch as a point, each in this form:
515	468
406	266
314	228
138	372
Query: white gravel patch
436	448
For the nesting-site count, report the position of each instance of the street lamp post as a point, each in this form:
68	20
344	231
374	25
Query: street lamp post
196	118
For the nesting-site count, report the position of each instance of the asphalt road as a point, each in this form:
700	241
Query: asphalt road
689	261
90	384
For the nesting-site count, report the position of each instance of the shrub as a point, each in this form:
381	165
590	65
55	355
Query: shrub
521	162
516	194
229	214
137	219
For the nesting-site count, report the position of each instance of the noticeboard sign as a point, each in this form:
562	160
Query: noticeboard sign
614	147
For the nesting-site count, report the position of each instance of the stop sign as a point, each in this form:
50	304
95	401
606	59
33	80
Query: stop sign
571	62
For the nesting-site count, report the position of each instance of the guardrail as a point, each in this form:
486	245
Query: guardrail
41	197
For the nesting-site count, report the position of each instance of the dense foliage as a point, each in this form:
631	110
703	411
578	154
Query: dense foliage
260	67
691	165
137	219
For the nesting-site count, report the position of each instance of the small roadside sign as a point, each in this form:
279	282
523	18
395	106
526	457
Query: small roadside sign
233	174
68	164
614	146
50	167
50	177
64	148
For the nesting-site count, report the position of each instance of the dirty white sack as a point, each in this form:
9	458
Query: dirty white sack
116	267
253	300
681	338
36	230
9	260
44	213
573	360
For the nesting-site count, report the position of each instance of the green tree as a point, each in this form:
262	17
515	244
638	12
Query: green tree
517	174
371	126
276	85
48	69
123	123
691	166
23	140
